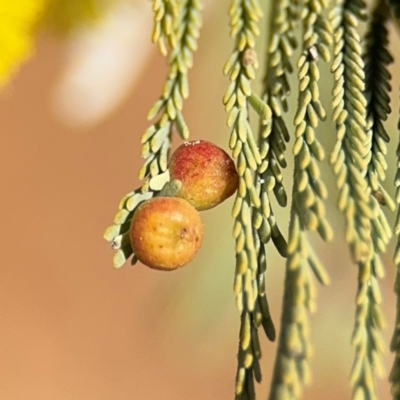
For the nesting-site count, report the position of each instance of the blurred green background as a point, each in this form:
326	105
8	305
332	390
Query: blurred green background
74	328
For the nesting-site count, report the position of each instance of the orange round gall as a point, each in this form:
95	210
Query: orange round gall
166	233
207	173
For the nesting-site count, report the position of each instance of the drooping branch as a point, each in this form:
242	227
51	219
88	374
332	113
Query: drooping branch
292	371
351	161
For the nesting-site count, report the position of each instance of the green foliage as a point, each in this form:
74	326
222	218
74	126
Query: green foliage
355	163
156	140
360	104
395	344
252	228
307	211
180	23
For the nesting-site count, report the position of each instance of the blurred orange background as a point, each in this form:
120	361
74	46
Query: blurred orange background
73	327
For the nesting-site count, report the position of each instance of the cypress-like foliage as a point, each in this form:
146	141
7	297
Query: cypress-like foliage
292	370
180	23
323	30
395	343
250	229
354	162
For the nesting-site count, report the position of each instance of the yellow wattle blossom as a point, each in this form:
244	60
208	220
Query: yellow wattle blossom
20	20
17	25
63	16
